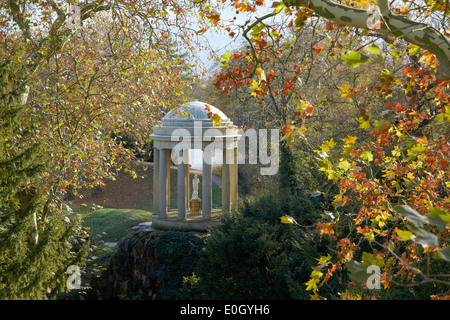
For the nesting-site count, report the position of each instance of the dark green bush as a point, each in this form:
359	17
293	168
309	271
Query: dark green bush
252	255
177	254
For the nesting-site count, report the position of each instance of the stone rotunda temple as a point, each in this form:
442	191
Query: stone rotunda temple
185	128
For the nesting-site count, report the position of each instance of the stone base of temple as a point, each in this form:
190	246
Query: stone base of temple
193	222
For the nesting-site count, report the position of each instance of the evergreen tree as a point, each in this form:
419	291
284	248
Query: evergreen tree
288	181
36	240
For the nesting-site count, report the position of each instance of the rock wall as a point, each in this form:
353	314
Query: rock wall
150	264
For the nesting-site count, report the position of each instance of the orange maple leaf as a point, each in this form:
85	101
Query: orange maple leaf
428	57
214	18
325	228
318	49
287	129
309	110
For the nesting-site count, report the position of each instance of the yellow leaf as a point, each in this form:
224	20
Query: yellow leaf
350	139
337	199
345	91
216	119
367	155
287	220
312	285
316	274
261	74
327	145
254	87
323	259
365	121
301	130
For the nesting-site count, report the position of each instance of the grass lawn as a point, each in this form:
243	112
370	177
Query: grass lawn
110	225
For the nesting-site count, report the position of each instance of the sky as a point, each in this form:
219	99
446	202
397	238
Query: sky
221	41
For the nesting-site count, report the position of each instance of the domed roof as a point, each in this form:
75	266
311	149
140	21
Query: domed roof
193	123
195	110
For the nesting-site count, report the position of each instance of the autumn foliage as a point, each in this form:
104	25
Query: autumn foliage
393	206
369	103
398	185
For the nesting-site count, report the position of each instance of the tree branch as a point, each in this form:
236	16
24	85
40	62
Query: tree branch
420	34
18	18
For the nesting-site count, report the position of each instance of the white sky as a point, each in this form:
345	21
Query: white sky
222	42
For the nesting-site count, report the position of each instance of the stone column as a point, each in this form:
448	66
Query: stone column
155	181
162	201
168	179
207	185
225	181
181	186
233	180
187	181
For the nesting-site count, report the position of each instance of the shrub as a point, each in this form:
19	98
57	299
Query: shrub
177	254
254	256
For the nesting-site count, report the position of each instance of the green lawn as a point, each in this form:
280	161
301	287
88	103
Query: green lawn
110	225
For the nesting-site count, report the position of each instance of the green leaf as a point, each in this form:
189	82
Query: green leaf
358	271
380	58
344	165
354	58
369	259
256	31
278	6
373	49
442	213
413	49
301	106
405	235
438	217
288	137
385	73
